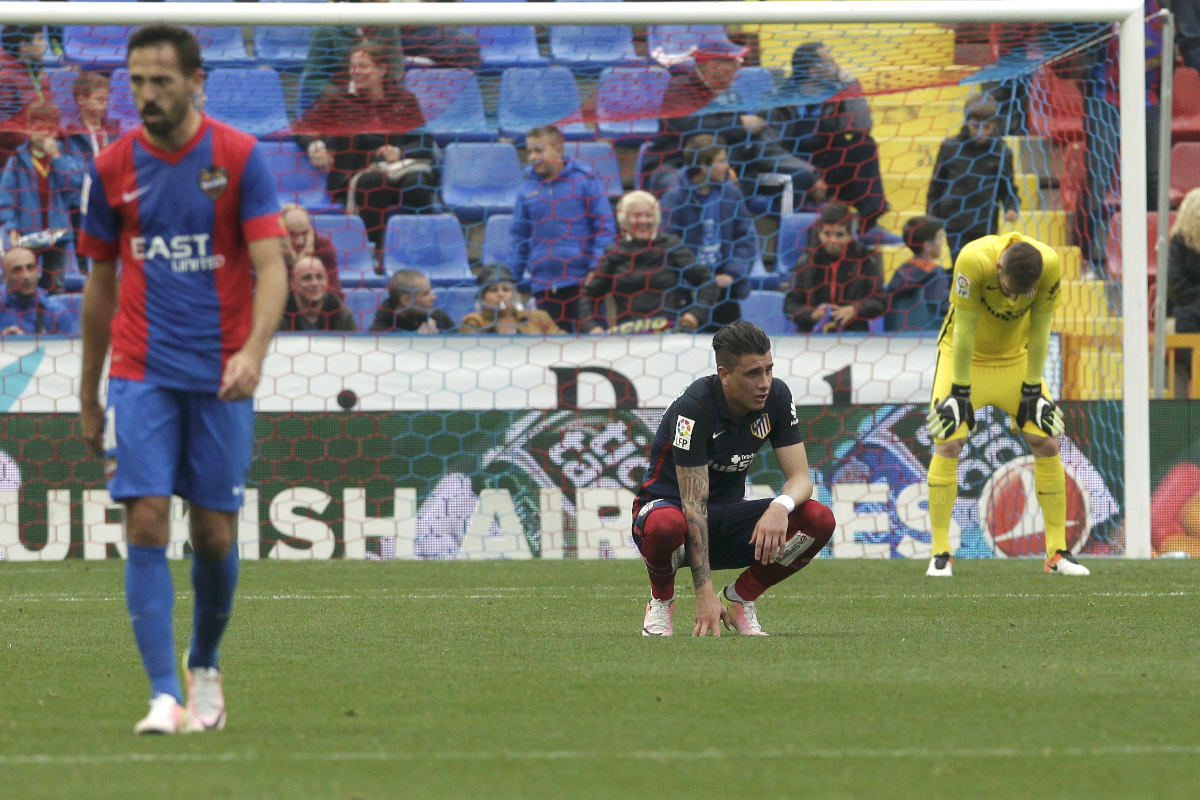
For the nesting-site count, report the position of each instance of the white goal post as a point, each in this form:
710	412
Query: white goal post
1128	13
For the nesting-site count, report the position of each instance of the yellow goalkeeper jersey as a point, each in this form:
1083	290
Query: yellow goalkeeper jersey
1003	330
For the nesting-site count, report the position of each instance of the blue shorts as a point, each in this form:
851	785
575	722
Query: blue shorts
169	441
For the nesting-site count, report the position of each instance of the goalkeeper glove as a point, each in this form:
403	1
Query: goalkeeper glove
1040	410
952	412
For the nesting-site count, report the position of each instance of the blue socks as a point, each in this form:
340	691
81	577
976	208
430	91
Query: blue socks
150	597
214	582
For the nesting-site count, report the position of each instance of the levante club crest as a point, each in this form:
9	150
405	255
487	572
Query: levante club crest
213	180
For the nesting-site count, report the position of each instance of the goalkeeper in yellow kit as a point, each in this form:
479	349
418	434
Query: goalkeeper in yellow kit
991	351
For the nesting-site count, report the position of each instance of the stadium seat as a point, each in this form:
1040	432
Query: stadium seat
72	279
752	87
431	243
504	46
675	43
356	257
792	236
765	309
121	107
248	98
222	46
284	47
480	179
1055	108
1185	105
1185	170
531	97
602	158
95	46
298	181
457	301
590	48
629	101
451	103
496	239
363	303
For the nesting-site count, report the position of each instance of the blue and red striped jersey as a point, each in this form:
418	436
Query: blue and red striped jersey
180	222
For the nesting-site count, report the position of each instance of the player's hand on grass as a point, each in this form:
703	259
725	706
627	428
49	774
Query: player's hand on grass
1035	407
240	377
955	410
710	612
91	418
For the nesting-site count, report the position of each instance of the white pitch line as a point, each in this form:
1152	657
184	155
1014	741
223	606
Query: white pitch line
707	754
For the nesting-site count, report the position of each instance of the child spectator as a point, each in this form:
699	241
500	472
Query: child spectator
837	283
920	289
972	179
500	310
409	306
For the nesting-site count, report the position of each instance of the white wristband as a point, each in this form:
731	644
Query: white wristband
787	502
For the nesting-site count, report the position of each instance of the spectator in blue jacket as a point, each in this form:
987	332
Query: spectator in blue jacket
707	210
26	309
38	188
561	225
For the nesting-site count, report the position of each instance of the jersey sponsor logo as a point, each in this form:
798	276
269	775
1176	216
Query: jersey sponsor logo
683	432
962	286
761	426
213	181
738	462
187	252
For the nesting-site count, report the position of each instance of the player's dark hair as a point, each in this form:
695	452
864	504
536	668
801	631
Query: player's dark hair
1022	266
738	339
187	49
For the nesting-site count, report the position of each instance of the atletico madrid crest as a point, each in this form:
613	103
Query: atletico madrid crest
761	426
213	180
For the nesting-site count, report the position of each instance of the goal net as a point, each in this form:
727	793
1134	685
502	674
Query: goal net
401	130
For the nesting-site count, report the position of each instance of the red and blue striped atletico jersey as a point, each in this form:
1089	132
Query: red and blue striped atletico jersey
179	221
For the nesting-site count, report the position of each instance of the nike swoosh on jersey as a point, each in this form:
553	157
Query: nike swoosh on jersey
129	197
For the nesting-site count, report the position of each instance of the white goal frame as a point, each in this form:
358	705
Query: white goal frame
1128	13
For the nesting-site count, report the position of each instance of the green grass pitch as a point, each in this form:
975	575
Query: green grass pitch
530	680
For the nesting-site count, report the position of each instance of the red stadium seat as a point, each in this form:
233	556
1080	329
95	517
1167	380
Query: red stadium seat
1185	170
1055	108
1185	105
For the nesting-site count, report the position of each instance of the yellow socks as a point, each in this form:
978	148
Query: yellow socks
1052	497
943	491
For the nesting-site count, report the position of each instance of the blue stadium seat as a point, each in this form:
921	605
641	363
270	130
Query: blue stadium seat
600	156
457	301
480	178
792	236
765	309
531	97
592	47
73	301
431	243
356	257
451	103
363	303
629	101
679	41
298	181
752	87
496	240
222	46
95	46
504	46
248	98
121	107
284	47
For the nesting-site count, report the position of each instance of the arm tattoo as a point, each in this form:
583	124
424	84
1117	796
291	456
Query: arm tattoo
693	489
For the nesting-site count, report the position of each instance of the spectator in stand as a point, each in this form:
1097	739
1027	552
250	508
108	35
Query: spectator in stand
919	291
409	306
831	126
837	283
972	179
500	310
90	131
310	304
27	309
1183	280
302	240
651	277
561	225
363	132
707	210
754	146
22	81
39	186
